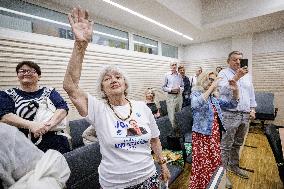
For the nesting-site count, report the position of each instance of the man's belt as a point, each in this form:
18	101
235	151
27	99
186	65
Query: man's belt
173	93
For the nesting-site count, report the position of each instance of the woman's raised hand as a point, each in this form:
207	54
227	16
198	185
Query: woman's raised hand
215	82
81	26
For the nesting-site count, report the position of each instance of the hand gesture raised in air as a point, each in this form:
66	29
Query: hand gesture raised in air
81	26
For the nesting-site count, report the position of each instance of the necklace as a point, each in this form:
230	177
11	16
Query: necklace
123	119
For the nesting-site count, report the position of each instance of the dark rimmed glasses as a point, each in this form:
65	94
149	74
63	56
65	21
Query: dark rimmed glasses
25	71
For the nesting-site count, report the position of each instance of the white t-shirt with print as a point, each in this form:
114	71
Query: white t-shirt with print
126	160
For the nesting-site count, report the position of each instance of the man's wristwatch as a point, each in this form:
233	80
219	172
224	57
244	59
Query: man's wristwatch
162	161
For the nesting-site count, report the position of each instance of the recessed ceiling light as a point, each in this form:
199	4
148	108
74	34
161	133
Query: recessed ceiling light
147	18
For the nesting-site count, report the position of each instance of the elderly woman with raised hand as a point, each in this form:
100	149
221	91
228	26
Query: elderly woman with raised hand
151	103
126	161
20	108
207	127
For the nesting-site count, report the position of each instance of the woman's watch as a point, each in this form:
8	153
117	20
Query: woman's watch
162	161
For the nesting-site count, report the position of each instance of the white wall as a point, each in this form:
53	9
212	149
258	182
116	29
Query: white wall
226	10
212	49
269	41
249	44
243	43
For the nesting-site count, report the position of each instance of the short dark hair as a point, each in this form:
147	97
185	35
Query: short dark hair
180	67
30	64
232	53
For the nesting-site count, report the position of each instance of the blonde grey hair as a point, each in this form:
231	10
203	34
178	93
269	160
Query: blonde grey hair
172	63
110	69
150	90
202	83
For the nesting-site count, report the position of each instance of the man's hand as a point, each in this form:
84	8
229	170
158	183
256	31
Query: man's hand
165	173
252	115
81	26
240	73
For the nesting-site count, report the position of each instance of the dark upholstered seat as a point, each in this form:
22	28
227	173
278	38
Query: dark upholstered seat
265	109
84	163
274	140
77	127
163	109
184	122
166	129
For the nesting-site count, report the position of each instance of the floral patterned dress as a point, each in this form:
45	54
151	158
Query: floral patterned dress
206	155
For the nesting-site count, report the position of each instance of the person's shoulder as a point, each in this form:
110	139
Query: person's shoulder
168	73
48	89
3	93
196	92
6	93
223	71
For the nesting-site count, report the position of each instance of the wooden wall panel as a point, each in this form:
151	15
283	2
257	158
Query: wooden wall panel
206	64
52	55
268	75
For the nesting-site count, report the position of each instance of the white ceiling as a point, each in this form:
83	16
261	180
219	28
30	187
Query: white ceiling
203	20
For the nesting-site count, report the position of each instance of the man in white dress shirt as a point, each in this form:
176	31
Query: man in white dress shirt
173	85
193	79
236	121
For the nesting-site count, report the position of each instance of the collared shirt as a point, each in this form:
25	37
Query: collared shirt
193	80
173	81
246	90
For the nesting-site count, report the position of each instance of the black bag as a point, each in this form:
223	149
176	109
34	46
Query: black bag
174	143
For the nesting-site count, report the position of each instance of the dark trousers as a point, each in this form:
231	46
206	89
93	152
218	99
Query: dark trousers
51	140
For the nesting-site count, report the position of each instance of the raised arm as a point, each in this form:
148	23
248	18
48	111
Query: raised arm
82	29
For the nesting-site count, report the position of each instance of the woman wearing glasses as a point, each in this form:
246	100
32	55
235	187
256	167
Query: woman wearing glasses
19	107
207	127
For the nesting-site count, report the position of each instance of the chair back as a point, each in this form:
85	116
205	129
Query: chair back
265	106
166	129
77	127
163	109
184	120
83	163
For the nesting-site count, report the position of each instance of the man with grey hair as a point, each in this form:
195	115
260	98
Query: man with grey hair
193	79
236	120
173	85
